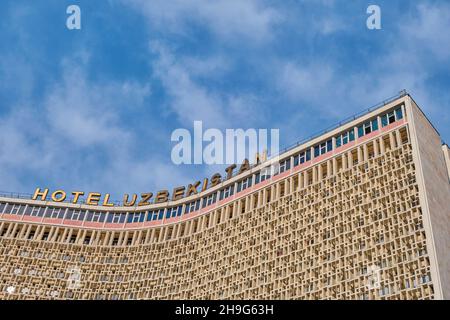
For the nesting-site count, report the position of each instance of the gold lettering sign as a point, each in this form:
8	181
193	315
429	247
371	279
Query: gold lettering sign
95	198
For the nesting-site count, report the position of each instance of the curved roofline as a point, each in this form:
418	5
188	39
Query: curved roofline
284	153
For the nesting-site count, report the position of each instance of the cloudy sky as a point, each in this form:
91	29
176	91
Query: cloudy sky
94	109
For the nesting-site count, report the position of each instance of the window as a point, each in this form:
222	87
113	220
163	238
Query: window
225	193
209	200
34	211
323	148
117	217
302	157
76	214
399	113
285	165
345	138
367	128
17	209
155	215
2	207
265	173
275	169
174	212
244	184
150	216
134	217
391	117
55	213
247	183
92	216
193	206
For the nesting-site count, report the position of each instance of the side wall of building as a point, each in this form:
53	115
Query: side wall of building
435	195
446	151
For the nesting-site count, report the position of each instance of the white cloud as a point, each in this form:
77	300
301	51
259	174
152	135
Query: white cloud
428	29
305	82
192	101
74	138
251	20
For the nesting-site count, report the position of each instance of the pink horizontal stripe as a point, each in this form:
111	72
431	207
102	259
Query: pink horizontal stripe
368	136
114	225
344	147
93	224
392	125
73	222
320	158
202	211
153	223
31	218
52	221
14	217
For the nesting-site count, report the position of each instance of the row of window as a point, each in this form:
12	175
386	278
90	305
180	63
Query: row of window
363	129
159	214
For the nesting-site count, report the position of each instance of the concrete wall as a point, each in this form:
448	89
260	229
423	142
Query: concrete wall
434	188
446	151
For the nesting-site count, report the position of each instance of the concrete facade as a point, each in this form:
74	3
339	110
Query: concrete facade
366	219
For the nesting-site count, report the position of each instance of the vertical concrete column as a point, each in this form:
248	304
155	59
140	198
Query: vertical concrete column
382	146
335	169
300	181
350	159
314	174
398	138
306	178
330	168
365	152
360	154
391	140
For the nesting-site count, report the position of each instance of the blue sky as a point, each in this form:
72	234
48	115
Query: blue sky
93	109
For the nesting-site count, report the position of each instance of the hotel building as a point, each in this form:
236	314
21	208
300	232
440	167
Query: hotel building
360	211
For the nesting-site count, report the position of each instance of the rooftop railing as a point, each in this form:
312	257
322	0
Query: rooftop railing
17	195
343	122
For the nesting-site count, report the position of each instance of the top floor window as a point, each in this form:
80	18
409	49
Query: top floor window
16	209
192	206
345	138
285	165
265	173
2	207
155	215
174	212
391	117
55	213
75	214
302	157
323	148
116	217
134	217
244	184
225	193
367	128
209	200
